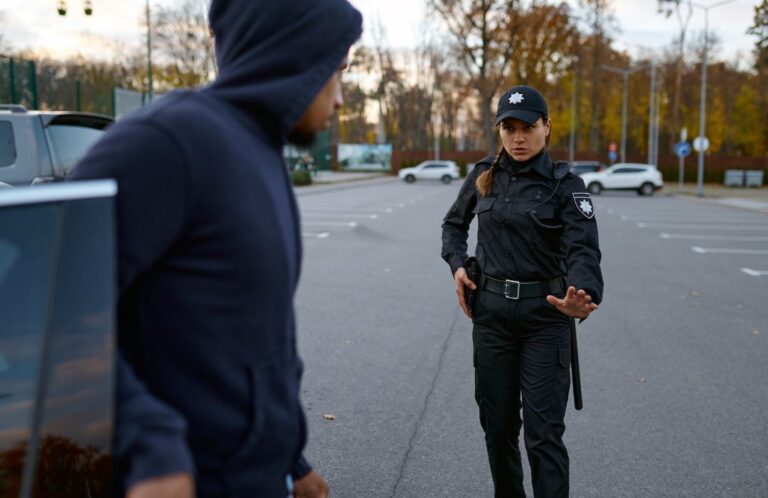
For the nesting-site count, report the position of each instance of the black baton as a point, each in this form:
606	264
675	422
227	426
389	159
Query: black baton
576	373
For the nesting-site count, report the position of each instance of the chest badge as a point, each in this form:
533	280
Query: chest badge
583	203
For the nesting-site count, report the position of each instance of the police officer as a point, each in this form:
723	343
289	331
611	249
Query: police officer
537	246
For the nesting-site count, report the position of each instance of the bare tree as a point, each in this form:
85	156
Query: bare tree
483	34
601	23
182	40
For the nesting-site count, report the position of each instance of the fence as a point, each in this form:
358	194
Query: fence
41	86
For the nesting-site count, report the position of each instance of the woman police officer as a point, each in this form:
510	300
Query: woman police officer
537	246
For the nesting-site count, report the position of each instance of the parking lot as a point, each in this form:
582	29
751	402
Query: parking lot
673	364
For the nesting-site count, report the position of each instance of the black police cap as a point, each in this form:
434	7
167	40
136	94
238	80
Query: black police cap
523	103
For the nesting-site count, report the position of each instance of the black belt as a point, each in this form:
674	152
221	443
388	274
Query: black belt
513	289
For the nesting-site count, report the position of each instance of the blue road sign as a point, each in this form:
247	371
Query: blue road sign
682	149
612	156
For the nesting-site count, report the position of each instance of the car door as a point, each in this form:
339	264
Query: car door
430	171
57	296
619	178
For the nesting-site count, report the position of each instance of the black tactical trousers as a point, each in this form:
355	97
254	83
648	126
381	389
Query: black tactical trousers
522	348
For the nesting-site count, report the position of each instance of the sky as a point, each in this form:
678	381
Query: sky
115	25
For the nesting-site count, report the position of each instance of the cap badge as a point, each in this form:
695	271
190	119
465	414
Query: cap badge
516	98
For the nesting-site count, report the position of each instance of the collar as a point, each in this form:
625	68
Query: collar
540	163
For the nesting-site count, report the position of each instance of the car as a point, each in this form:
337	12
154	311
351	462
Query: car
644	178
43	146
445	171
580	167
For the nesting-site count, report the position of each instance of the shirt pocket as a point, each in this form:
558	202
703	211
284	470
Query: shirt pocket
545	217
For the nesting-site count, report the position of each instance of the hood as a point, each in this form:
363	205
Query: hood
274	56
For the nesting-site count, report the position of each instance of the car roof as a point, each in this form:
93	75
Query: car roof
634	165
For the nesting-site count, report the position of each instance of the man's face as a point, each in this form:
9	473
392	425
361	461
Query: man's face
317	116
522	140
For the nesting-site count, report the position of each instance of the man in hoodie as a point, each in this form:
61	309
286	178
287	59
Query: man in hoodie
209	255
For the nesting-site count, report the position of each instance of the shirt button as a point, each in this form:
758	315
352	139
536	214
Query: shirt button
533	211
514	178
506	199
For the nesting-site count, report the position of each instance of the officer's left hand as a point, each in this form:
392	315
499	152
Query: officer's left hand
311	485
577	304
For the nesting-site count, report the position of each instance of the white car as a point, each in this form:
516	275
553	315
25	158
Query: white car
644	178
445	171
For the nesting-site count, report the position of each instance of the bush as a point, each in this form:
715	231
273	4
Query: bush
301	177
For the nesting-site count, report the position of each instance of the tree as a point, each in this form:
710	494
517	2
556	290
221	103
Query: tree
601	23
483	33
760	30
183	43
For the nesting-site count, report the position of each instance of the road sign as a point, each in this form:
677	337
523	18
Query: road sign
682	149
612	147
700	144
612	156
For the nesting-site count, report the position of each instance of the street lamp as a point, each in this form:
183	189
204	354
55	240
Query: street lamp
149	54
703	103
624	72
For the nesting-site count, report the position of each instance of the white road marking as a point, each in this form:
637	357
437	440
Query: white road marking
311	223
722	250
315	235
702	226
754	273
691	236
340	209
339	215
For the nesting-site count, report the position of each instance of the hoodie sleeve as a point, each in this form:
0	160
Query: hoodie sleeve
151	204
582	247
456	224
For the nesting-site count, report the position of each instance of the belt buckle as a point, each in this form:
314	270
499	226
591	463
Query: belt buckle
507	293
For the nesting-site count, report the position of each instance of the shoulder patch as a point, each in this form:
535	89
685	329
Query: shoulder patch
584	204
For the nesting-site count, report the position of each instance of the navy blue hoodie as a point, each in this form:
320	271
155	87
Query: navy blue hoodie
209	251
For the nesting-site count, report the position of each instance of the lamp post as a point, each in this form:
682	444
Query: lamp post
703	98
149	54
625	73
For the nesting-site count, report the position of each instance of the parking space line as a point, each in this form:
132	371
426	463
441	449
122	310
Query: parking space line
315	235
311	214
312	223
755	273
702	226
690	236
723	250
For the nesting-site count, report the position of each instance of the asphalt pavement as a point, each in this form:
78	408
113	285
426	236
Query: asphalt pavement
674	364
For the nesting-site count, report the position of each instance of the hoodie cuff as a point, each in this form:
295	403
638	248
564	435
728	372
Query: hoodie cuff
157	456
301	468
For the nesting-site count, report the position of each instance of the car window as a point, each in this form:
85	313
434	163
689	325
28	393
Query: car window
26	251
434	166
7	144
56	347
624	170
70	143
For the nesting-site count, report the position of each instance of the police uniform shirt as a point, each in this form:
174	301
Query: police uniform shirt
530	228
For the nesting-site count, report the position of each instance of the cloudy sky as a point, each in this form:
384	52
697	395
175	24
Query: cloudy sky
115	25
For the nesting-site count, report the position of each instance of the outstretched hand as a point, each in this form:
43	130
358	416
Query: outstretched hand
577	304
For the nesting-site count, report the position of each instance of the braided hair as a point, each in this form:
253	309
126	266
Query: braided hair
484	182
